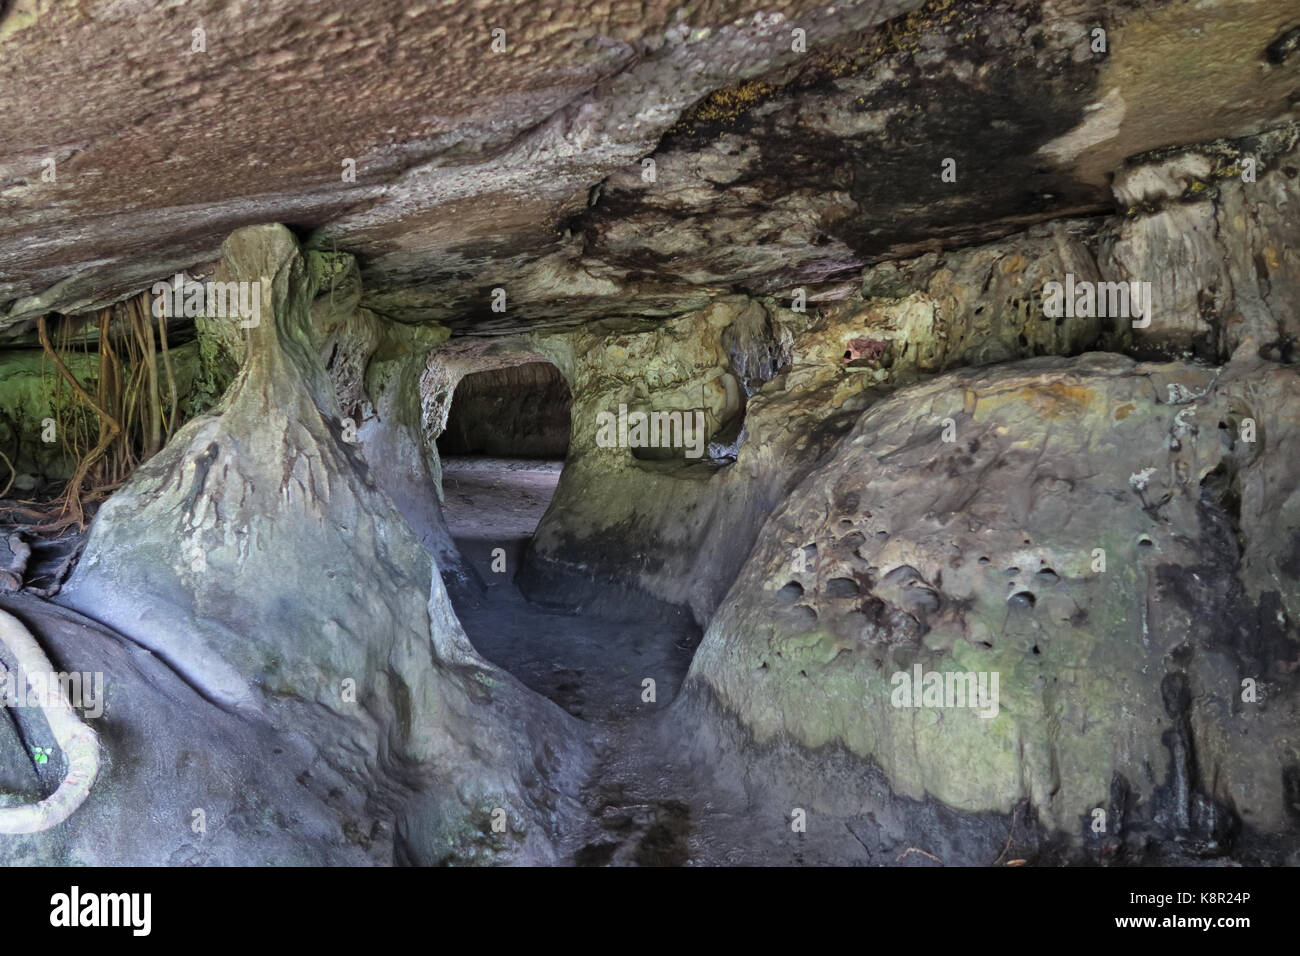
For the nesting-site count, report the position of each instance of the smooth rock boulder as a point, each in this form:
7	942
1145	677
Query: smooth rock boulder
1098	536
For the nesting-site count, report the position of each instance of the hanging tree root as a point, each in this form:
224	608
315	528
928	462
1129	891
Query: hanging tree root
48	518
79	743
72	502
135	403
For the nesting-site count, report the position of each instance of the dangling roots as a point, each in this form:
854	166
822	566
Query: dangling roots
131	415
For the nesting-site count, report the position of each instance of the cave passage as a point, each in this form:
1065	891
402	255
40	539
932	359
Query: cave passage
502	451
520	411
502	456
718	434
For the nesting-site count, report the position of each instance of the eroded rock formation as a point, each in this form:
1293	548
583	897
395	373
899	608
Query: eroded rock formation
1081	532
380	706
976	322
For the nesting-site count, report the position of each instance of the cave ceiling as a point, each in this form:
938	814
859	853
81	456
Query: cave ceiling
789	147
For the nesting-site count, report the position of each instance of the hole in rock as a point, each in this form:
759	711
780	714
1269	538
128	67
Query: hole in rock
503	452
791	592
515	412
555	361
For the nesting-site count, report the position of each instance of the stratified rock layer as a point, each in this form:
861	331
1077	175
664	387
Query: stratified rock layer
790	147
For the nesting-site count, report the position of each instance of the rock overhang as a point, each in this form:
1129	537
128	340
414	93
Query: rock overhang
780	158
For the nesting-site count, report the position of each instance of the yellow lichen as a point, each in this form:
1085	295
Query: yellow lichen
726	106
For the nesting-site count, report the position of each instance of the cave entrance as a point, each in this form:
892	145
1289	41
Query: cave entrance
520	411
502	450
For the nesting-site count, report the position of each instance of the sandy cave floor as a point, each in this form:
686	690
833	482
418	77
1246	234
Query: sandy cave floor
646	809
590	667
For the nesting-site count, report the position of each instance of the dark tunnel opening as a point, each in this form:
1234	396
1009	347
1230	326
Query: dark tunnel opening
502	453
517	412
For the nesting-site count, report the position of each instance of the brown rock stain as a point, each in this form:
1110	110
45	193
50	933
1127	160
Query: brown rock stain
1058	399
